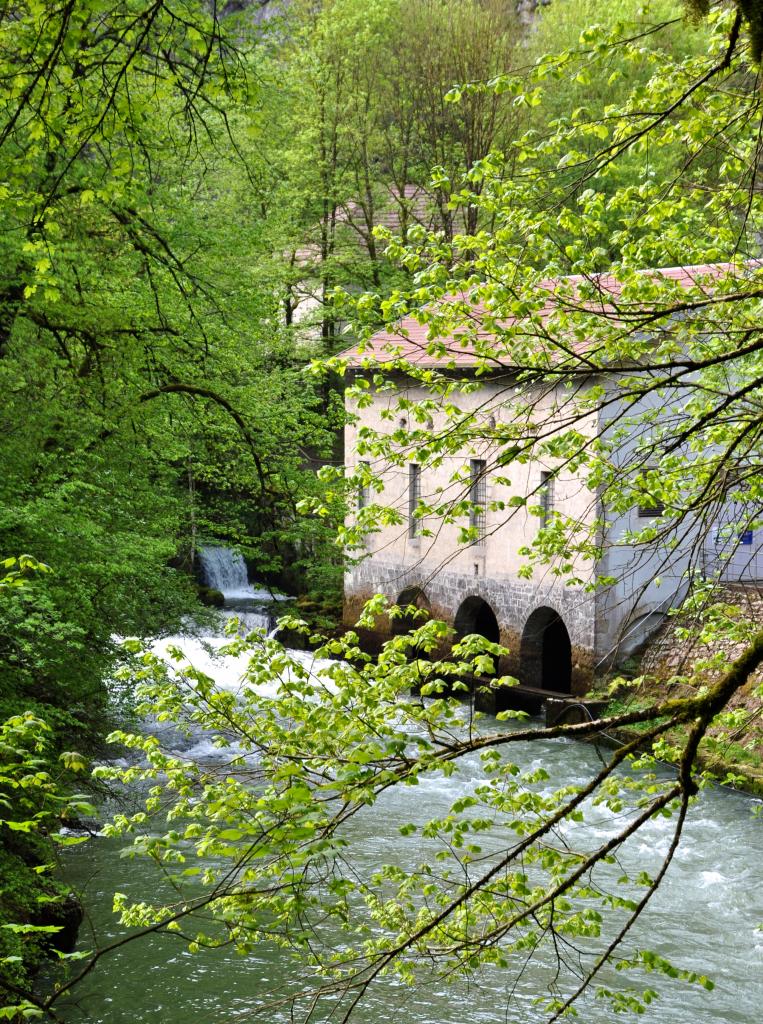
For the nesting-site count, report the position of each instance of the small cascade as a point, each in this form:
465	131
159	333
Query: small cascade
260	618
225	570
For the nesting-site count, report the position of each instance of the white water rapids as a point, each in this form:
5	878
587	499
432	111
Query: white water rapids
705	917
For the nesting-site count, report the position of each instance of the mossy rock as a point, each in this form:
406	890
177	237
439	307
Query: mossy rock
210	597
30	898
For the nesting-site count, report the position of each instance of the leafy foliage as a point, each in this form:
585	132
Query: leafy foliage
33	801
363	137
151	397
261	848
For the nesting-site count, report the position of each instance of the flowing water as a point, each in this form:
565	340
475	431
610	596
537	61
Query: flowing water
705	917
225	570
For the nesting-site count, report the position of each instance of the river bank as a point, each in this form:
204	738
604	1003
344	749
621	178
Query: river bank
679	660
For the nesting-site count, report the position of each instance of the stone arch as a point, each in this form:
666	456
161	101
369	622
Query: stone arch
545	654
410	596
475	615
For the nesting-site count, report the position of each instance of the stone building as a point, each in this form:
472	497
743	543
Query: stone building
558	635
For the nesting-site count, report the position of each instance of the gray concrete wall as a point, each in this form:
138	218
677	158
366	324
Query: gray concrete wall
733	549
651	578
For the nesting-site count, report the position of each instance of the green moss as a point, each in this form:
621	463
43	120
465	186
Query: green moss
210	597
730	755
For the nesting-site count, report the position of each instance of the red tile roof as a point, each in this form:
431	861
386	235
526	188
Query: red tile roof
409	340
416	202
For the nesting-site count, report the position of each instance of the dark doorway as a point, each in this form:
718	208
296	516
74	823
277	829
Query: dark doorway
411	596
545	657
476	616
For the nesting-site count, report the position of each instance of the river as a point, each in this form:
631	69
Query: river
705	916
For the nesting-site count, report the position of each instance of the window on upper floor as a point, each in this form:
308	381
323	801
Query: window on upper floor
414	495
363	488
478	497
648	507
546	496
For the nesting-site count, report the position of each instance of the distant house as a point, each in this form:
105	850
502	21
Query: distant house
559	635
344	237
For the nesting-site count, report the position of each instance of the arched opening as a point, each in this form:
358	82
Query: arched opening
545	656
476	616
415	597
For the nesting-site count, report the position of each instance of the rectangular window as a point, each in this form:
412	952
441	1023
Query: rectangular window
478	497
546	495
650	509
363	494
414	494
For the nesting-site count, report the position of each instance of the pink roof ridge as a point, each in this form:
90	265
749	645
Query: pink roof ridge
409	340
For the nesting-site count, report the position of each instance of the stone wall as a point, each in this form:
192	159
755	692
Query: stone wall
668	655
511	599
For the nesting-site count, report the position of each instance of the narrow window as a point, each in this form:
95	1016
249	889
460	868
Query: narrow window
650	509
414	494
478	497
546	495
363	493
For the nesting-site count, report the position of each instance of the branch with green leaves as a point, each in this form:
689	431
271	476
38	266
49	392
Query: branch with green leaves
258	846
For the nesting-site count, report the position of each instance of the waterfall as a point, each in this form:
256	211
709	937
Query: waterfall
225	570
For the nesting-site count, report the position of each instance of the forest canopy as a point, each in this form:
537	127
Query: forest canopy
196	205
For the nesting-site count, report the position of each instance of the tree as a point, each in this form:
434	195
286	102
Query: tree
142	371
586	89
366	124
37	912
319	750
151	398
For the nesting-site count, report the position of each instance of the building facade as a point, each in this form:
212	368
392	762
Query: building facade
470	570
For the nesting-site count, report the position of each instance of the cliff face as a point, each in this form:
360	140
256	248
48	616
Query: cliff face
526	9
259	10
262	10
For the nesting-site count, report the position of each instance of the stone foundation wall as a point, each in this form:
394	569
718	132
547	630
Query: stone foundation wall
669	655
512	601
